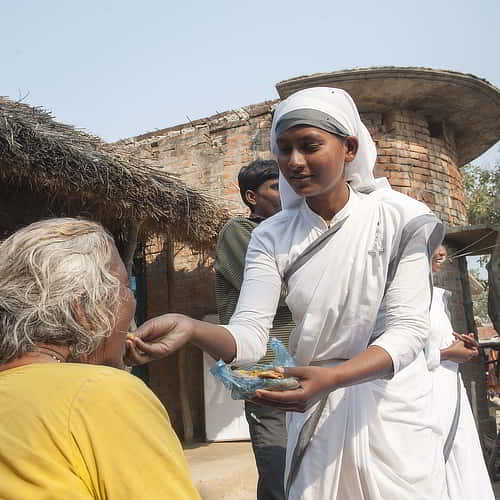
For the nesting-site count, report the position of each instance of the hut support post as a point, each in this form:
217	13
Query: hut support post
493	267
475	369
182	363
130	246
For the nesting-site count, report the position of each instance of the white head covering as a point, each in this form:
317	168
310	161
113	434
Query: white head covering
339	105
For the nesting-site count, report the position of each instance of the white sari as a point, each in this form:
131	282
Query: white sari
376	440
466	473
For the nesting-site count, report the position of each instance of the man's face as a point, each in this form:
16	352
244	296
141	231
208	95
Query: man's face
265	199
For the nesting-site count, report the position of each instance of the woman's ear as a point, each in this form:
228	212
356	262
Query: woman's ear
79	313
351	145
81	319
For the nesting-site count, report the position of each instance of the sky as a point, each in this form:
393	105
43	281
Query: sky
121	68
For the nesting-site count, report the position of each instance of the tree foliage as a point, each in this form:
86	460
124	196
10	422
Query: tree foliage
481	186
482	199
480	300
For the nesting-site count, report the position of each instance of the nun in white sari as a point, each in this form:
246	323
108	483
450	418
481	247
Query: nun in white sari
466	473
368	285
355	259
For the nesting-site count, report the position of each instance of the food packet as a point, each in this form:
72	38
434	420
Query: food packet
243	383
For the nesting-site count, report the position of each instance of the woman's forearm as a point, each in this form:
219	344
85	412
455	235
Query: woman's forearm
214	340
373	363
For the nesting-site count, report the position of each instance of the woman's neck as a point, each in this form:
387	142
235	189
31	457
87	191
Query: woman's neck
43	353
329	204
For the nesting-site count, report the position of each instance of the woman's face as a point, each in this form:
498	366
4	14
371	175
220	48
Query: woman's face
111	351
439	258
312	160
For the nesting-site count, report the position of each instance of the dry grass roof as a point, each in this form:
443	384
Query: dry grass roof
50	169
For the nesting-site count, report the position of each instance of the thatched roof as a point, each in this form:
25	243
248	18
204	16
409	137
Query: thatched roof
51	169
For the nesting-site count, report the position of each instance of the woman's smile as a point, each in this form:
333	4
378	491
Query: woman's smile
312	161
300	177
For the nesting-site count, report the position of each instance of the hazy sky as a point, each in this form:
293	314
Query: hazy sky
121	68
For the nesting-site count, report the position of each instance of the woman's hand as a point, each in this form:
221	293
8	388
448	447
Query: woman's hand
467	338
461	351
158	337
315	382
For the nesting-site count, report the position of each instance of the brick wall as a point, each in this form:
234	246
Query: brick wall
417	155
419	159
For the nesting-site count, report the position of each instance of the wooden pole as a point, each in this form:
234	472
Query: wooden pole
467	296
493	268
129	248
182	362
479	398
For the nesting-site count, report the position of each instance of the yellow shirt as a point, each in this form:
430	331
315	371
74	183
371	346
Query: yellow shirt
76	431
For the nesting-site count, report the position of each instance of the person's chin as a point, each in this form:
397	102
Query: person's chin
304	189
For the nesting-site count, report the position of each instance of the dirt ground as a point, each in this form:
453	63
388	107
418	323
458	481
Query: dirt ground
226	471
223	471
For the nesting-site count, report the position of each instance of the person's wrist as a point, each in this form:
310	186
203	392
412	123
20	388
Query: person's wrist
444	354
190	328
334	379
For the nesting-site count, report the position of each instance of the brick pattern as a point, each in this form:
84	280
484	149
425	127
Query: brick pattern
209	153
418	164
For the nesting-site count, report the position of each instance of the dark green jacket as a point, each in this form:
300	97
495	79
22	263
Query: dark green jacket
229	269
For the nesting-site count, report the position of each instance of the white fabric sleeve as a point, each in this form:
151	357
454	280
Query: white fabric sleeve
257	303
432	353
406	305
433	346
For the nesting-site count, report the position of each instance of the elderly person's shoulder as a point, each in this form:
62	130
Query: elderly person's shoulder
46	385
94	379
100	387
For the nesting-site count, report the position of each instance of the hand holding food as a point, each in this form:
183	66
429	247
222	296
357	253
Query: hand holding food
157	338
280	382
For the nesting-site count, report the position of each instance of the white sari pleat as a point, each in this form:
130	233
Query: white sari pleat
371	445
377	440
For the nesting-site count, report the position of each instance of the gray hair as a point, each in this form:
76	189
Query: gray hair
48	270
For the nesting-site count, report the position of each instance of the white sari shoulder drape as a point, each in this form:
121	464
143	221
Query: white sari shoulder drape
336	297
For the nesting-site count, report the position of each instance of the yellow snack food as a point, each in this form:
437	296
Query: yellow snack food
260	373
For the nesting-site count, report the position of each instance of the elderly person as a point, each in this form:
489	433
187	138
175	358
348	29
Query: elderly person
71	427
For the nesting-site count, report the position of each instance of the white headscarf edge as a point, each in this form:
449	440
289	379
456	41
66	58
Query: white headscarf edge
338	104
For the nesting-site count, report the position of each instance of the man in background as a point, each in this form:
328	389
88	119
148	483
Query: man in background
258	183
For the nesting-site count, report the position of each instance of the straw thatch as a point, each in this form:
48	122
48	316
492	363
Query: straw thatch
50	169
